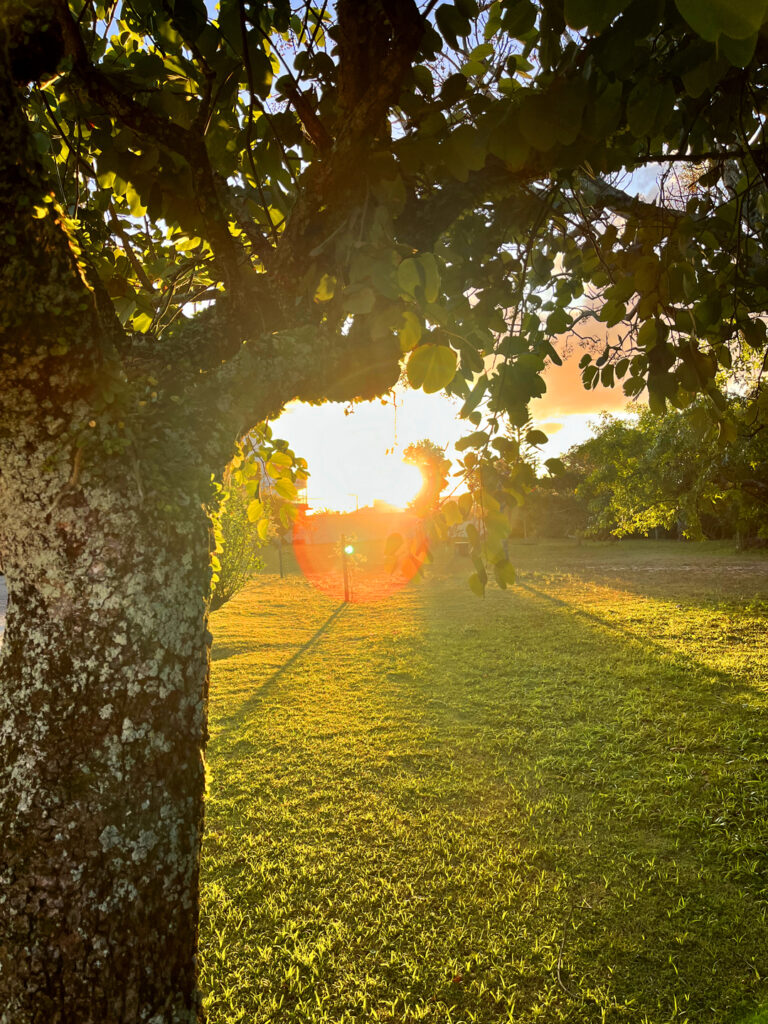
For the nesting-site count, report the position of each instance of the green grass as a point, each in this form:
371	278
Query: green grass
549	805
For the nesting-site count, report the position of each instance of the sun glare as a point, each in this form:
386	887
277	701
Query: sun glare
400	481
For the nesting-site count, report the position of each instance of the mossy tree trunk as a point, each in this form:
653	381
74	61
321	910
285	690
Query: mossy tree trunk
103	668
102	725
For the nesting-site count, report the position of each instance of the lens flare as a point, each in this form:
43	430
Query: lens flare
389	549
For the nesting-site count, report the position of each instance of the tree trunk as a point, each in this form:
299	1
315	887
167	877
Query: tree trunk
103	686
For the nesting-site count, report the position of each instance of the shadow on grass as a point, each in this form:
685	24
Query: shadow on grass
477	801
733	682
268	685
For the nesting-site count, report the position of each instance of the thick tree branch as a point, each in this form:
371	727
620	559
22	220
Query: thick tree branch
306	363
37	260
378	43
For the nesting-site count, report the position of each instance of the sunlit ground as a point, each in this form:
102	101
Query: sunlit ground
547	806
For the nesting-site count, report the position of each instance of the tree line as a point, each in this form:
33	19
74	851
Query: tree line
665	475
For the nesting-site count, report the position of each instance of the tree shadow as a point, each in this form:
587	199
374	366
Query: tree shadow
681	572
251	703
588	795
685	662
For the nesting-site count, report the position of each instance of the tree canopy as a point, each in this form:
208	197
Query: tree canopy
432	185
285	201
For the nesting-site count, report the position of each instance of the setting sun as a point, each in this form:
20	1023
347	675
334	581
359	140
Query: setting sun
398	483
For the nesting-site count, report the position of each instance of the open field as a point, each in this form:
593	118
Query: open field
549	805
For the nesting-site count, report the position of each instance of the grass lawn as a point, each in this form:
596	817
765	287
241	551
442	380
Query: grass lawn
548	805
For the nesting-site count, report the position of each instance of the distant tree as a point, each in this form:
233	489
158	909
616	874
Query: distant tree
669	472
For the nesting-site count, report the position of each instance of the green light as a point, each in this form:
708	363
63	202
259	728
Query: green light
348	550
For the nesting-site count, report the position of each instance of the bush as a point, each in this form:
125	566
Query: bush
239	560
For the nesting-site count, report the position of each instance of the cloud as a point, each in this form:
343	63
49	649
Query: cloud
550	428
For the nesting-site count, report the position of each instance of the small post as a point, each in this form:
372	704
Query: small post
345	567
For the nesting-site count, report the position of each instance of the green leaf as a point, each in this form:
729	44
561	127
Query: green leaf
451	23
431	276
431	367
476	585
185	244
262	528
358	298
474	397
419	273
595	15
647	336
536	126
507	143
738	52
255	511
482	51
473	68
410	334
536	437
519	18
504	573
477	439
424	80
465	502
553	116
286	488
468	8
326	289
409	276
712	18
649	107
281	459
558	322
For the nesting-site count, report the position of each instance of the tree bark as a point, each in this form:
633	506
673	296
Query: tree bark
103	685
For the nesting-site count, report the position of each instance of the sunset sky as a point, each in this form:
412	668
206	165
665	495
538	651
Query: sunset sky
350	456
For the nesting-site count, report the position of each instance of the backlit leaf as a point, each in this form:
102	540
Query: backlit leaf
713	18
410	333
286	489
476	585
326	288
431	367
